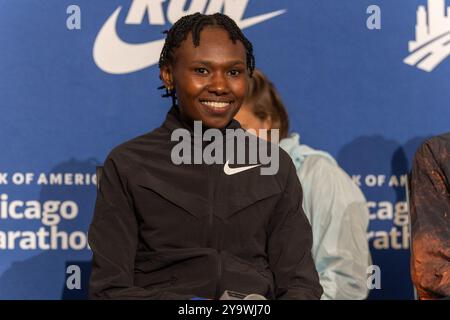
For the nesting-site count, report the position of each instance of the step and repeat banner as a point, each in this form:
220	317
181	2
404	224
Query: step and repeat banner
367	81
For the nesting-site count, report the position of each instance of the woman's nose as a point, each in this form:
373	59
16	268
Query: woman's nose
218	84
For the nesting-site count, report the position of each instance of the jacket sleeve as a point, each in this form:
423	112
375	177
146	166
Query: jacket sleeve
289	246
339	216
430	209
113	238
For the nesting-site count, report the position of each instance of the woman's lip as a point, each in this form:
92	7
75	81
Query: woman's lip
218	101
217	110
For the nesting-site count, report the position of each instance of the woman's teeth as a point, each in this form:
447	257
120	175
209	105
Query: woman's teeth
215	104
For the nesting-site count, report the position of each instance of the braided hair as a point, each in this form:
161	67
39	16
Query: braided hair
195	23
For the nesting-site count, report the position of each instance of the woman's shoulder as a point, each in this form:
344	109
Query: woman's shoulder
437	145
141	149
317	167
302	153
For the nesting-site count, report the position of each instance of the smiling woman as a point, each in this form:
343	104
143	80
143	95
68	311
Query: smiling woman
208	77
207	227
211	79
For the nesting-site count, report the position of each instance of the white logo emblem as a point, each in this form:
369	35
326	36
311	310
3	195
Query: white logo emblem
432	44
230	171
113	55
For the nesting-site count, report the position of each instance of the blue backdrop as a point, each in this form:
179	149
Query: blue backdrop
68	95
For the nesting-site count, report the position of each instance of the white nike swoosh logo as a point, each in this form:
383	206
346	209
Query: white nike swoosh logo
115	56
230	171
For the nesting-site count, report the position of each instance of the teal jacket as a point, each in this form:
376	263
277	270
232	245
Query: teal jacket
338	214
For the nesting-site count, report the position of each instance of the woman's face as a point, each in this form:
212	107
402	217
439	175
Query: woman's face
210	80
249	120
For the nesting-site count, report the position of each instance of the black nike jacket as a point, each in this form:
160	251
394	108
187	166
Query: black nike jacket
166	231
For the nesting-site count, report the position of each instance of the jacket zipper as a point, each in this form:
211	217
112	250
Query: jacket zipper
211	210
219	274
211	228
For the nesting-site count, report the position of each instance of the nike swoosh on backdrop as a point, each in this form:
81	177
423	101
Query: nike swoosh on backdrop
115	56
230	171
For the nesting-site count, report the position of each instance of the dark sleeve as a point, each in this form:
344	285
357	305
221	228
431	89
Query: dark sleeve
113	238
430	218
289	246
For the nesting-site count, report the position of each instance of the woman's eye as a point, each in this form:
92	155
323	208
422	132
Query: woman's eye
201	70
234	72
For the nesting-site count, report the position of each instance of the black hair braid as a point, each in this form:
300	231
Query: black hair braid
195	23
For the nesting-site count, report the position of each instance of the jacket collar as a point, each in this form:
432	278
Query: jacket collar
175	120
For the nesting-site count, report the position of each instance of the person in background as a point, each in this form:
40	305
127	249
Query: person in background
333	203
430	218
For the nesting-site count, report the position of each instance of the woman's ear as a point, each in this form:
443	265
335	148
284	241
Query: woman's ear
166	76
